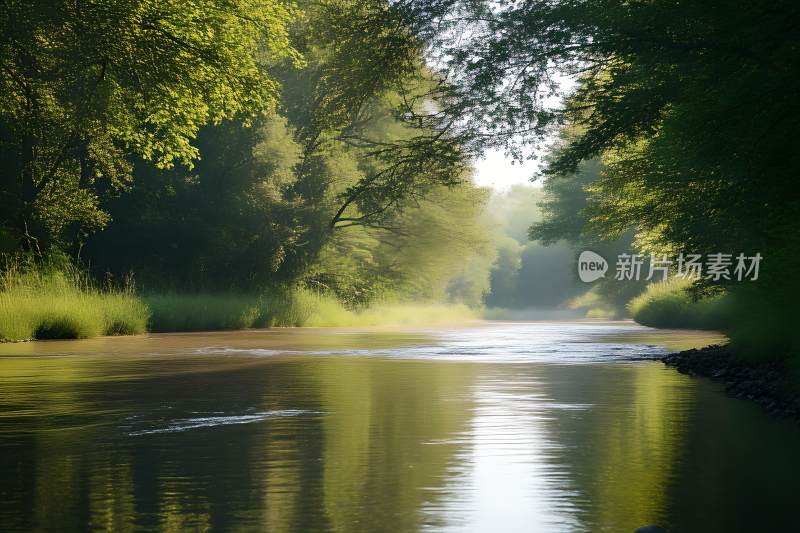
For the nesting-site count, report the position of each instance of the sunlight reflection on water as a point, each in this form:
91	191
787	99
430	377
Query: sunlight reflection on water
537	426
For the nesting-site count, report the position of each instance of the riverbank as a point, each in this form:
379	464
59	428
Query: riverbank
65	305
64	302
66	311
768	383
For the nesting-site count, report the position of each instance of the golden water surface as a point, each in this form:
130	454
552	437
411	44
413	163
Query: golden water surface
528	426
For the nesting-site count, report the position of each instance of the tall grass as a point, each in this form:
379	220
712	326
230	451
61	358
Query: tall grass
667	304
313	309
202	311
50	304
286	308
206	311
64	304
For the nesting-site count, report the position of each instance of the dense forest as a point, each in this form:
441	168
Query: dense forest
234	148
320	153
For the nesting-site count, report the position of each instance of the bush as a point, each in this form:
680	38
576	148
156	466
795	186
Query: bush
63	305
595	305
668	304
201	311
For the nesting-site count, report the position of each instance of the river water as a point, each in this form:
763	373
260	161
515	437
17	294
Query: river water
491	427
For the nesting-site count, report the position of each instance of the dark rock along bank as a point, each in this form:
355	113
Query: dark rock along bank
766	383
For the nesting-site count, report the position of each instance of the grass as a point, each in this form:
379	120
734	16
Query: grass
593	305
199	312
529	313
286	308
421	314
668	305
206	311
63	305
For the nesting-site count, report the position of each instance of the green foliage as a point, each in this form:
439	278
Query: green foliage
49	304
286	308
86	85
594	304
438	250
530	275
504	275
419	314
567	216
670	304
690	106
200	312
224	226
564	207
364	84
547	276
764	318
339	191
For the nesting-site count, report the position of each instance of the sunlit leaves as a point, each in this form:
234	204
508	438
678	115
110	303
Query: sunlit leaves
88	84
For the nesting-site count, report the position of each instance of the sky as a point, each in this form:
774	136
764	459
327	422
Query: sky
497	171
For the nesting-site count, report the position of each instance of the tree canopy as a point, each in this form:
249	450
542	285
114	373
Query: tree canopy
690	106
85	85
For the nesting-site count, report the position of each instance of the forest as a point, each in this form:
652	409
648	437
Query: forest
225	164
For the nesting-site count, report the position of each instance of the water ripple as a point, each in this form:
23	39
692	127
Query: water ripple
214	421
498	343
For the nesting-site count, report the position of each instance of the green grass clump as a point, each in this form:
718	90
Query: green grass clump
63	305
667	304
594	305
290	307
208	311
313	309
201	311
286	308
423	314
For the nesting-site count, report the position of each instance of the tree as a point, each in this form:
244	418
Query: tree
225	224
365	71
83	85
690	105
336	190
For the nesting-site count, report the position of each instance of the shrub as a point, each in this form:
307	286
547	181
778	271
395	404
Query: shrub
668	304
42	304
201	311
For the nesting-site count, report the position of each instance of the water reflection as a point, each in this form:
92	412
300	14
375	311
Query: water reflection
562	436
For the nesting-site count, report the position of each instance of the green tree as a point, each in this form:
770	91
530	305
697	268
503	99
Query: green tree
85	84
226	223
337	190
364	86
690	105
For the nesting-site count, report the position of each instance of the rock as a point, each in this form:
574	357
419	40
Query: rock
651	529
767	383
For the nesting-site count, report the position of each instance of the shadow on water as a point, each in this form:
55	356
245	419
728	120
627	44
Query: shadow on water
495	427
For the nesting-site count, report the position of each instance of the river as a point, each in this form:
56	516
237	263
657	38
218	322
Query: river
489	427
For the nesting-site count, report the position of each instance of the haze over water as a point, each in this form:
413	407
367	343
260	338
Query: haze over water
529	426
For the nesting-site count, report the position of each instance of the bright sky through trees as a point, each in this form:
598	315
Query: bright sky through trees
498	171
